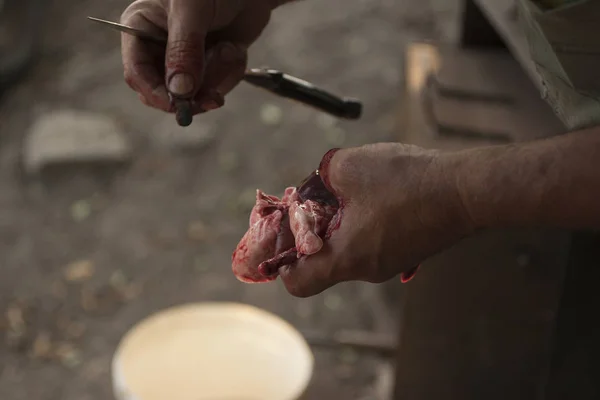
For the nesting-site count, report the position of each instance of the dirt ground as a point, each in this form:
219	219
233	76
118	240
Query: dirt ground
160	231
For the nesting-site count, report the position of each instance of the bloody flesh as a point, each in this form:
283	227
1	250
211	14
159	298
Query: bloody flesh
283	230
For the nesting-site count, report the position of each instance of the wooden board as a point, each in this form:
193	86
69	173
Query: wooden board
479	319
522	114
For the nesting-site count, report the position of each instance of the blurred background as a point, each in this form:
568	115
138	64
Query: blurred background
148	216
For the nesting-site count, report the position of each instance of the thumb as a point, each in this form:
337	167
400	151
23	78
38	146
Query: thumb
189	23
350	172
324	169
339	171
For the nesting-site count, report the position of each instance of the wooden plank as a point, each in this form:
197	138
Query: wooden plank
494	73
421	61
481	71
574	372
459	118
478	320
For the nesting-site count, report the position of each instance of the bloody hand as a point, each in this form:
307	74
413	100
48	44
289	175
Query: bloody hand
396	206
205	56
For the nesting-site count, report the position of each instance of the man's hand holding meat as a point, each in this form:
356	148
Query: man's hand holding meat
400	204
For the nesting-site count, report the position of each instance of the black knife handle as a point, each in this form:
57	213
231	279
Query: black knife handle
296	89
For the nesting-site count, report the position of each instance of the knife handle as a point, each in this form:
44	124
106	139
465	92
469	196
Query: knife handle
296	89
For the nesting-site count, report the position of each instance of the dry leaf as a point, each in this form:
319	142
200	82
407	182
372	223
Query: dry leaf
89	302
68	355
79	271
105	300
14	317
42	346
131	291
16	336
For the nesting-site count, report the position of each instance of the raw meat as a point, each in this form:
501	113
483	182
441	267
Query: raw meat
282	230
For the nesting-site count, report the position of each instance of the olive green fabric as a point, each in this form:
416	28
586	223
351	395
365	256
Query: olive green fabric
565	47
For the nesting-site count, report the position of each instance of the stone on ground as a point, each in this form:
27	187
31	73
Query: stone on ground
69	136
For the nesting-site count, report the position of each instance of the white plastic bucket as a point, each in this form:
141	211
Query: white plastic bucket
212	351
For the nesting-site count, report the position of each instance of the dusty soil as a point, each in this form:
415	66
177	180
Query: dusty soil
85	255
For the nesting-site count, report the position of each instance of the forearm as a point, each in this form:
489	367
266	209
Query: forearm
553	182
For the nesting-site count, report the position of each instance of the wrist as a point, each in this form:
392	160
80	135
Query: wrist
444	171
442	207
498	186
463	178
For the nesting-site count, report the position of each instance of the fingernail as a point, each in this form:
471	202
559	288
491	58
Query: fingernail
408	275
229	53
181	84
160	97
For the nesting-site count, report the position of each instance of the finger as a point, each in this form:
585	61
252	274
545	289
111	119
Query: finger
143	100
248	23
142	61
345	256
343	172
310	275
214	101
225	64
226	67
189	23
325	169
